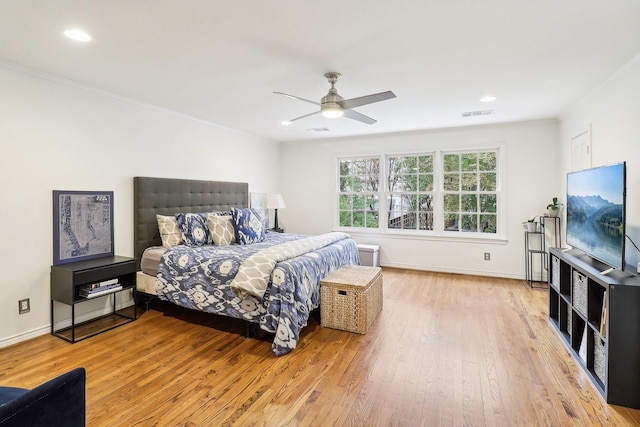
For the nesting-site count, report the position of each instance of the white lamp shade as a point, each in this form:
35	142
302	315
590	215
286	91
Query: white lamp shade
275	201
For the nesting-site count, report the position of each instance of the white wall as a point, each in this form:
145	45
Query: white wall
57	136
531	180
613	114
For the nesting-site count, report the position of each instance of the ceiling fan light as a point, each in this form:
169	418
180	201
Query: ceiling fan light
332	112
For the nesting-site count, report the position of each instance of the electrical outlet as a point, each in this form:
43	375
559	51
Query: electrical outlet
24	306
487	256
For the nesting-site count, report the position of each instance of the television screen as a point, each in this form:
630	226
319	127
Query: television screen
596	213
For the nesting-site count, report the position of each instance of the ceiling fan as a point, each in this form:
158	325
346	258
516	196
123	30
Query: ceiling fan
333	105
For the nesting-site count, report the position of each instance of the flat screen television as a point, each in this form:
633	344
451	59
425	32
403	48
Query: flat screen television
596	213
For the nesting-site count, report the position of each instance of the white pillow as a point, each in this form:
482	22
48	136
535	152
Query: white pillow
221	229
169	231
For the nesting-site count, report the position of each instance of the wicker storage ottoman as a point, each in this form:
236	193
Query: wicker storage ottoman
351	298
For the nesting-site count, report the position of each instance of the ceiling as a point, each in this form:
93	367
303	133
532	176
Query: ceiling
221	61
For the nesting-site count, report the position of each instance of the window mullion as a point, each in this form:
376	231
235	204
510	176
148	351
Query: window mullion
384	194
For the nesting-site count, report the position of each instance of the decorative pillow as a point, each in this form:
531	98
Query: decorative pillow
248	226
194	228
169	231
221	229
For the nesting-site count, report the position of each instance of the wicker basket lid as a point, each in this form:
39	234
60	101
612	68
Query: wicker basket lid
355	275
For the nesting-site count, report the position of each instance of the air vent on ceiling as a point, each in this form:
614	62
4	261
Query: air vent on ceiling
318	130
477	113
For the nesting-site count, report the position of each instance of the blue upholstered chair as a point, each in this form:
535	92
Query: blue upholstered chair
58	402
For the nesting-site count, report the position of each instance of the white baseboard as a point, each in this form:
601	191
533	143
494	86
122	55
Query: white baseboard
452	270
46	329
43	330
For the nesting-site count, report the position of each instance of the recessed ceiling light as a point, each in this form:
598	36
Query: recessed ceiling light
77	35
488	98
285	123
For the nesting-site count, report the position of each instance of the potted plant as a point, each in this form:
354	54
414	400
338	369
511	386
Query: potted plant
553	208
530	225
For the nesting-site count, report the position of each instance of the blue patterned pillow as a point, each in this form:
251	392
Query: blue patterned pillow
247	225
194	228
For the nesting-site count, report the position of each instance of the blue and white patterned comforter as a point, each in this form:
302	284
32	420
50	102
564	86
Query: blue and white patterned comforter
199	278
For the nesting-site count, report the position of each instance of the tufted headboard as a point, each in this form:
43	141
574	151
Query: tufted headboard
167	196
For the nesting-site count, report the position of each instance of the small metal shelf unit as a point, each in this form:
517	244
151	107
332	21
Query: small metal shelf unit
536	245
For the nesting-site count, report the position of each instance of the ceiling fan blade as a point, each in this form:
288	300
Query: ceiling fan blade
351	114
302	117
297	97
368	99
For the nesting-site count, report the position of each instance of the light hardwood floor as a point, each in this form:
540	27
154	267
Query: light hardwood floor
446	350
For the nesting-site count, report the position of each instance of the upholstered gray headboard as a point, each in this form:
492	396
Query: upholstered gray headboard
167	196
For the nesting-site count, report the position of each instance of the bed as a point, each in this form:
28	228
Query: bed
271	283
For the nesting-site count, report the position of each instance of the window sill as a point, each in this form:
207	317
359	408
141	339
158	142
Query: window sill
410	235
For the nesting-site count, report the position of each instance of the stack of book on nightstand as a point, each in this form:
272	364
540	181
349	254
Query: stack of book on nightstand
96	289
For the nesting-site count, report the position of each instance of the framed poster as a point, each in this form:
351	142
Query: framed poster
82	225
259	203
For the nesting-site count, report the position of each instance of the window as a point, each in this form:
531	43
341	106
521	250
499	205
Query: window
410	192
469	192
358	192
437	193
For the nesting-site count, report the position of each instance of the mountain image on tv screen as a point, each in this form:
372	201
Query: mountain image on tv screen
595	212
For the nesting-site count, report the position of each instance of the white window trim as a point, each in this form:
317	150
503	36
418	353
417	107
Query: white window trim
440	192
437	233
